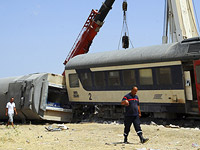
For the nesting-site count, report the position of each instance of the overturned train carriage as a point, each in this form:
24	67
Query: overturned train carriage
168	78
40	96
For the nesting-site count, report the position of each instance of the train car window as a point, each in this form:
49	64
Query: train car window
129	77
73	80
146	77
86	79
194	48
113	78
164	76
57	97
99	79
198	74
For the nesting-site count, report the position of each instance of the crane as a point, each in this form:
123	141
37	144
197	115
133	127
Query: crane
179	21
89	30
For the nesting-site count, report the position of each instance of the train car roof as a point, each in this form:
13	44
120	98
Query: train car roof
158	53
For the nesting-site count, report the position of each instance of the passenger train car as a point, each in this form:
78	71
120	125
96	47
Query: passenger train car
167	76
39	96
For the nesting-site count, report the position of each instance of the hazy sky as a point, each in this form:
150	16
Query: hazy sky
36	35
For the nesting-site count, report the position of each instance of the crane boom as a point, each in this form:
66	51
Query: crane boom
89	30
179	20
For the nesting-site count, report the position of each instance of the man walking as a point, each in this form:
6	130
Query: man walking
10	108
132	114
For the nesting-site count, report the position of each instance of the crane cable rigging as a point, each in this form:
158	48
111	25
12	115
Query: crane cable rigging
125	38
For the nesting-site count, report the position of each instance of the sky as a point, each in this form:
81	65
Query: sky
37	35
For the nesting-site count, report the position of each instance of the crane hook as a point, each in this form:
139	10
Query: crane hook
124	5
125	41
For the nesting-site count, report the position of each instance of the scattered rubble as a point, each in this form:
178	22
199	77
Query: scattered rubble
153	123
59	127
195	145
172	126
146	149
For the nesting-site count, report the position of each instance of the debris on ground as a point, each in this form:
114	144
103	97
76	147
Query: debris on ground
146	149
195	145
172	126
153	123
59	127
62	126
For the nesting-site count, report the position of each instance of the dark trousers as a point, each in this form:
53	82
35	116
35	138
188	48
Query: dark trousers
136	123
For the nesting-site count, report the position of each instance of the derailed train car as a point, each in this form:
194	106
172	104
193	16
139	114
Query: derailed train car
168	78
40	96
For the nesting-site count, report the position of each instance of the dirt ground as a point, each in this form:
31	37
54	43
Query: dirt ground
97	136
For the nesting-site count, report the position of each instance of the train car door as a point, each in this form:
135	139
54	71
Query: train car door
197	80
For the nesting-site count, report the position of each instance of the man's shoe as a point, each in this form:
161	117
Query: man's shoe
125	139
144	140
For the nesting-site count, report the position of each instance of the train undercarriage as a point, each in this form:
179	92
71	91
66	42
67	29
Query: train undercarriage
116	112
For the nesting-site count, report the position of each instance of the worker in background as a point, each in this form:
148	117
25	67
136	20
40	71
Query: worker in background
10	109
132	114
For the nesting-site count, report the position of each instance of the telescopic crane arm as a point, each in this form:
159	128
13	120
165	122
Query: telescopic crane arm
180	21
89	30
